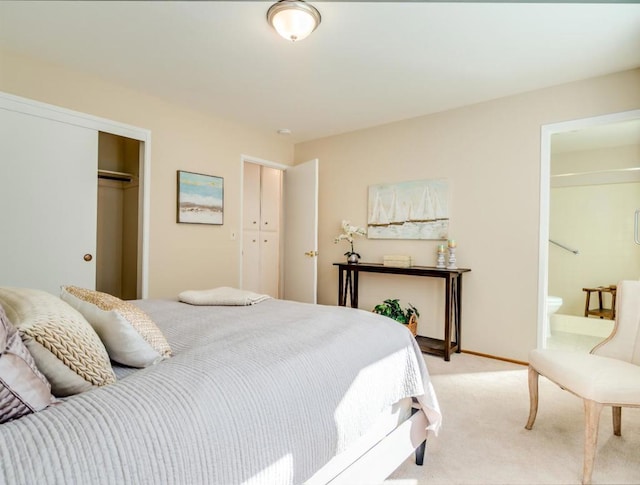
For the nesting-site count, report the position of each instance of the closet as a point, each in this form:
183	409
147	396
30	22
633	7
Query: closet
61	224
262	202
117	220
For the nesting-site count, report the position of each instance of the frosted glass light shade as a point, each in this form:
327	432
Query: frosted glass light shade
293	19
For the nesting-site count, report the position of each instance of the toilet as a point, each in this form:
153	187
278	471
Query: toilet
553	305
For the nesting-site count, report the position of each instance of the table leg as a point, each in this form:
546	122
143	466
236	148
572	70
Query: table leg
458	316
354	292
454	310
447	320
342	299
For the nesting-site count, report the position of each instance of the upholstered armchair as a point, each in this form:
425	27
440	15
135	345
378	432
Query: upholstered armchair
607	376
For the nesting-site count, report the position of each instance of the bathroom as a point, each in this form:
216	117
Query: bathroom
594	203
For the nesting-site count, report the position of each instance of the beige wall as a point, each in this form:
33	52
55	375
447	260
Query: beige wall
596	160
182	256
490	153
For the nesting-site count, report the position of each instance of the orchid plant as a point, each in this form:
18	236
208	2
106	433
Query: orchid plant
348	233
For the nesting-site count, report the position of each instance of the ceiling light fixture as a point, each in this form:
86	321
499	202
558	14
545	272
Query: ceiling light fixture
293	19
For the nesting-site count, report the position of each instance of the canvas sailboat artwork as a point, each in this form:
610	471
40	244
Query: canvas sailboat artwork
409	210
378	216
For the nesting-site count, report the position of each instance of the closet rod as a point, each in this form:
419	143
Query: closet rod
111	175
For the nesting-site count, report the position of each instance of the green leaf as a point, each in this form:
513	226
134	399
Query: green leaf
391	308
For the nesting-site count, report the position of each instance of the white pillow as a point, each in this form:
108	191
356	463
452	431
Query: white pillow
129	335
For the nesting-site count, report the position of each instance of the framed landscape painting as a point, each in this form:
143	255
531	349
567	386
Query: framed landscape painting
409	210
200	198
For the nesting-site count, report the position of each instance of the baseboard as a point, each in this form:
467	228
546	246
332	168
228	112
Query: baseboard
489	356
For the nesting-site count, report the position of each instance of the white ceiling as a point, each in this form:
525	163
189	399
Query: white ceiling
368	63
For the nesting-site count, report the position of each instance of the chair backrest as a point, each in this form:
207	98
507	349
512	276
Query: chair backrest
624	341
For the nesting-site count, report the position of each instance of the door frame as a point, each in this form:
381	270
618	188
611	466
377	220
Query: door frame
546	132
56	113
240	231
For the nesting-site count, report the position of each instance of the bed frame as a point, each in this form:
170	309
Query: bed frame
376	463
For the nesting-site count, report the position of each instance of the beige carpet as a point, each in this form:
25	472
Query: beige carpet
485	405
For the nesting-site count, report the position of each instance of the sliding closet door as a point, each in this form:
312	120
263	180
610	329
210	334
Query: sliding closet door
48	195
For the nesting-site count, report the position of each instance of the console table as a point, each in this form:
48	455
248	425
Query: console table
348	285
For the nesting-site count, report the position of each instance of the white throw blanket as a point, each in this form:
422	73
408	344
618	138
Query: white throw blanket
223	296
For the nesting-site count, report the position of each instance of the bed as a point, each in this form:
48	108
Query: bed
278	392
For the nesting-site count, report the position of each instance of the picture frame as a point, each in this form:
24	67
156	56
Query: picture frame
200	198
417	209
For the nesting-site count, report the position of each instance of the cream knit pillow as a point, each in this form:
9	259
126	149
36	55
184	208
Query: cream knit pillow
64	346
129	335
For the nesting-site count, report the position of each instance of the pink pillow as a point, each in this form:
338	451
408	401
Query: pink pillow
23	388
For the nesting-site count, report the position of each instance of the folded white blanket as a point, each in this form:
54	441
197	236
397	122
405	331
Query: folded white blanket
223	296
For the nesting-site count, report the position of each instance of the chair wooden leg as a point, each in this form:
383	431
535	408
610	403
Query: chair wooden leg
617	420
533	397
592	412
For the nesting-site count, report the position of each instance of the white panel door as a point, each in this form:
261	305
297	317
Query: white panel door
251	261
251	196
48	195
269	263
270	199
301	232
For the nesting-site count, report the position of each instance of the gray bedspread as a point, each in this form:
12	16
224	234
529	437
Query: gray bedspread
259	394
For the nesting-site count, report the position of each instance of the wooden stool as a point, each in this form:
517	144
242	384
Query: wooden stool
601	311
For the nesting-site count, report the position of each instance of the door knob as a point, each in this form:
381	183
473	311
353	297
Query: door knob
87	257
311	254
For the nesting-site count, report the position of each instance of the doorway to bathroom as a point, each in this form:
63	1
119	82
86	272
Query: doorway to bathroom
590	192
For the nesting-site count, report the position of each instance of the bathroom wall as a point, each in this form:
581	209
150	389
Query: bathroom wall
595	217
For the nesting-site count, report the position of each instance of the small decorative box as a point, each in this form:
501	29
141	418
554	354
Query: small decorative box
398	261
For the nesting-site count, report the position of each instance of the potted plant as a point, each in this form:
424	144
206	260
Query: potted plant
407	316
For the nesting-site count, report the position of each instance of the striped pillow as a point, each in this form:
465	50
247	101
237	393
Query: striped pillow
129	335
